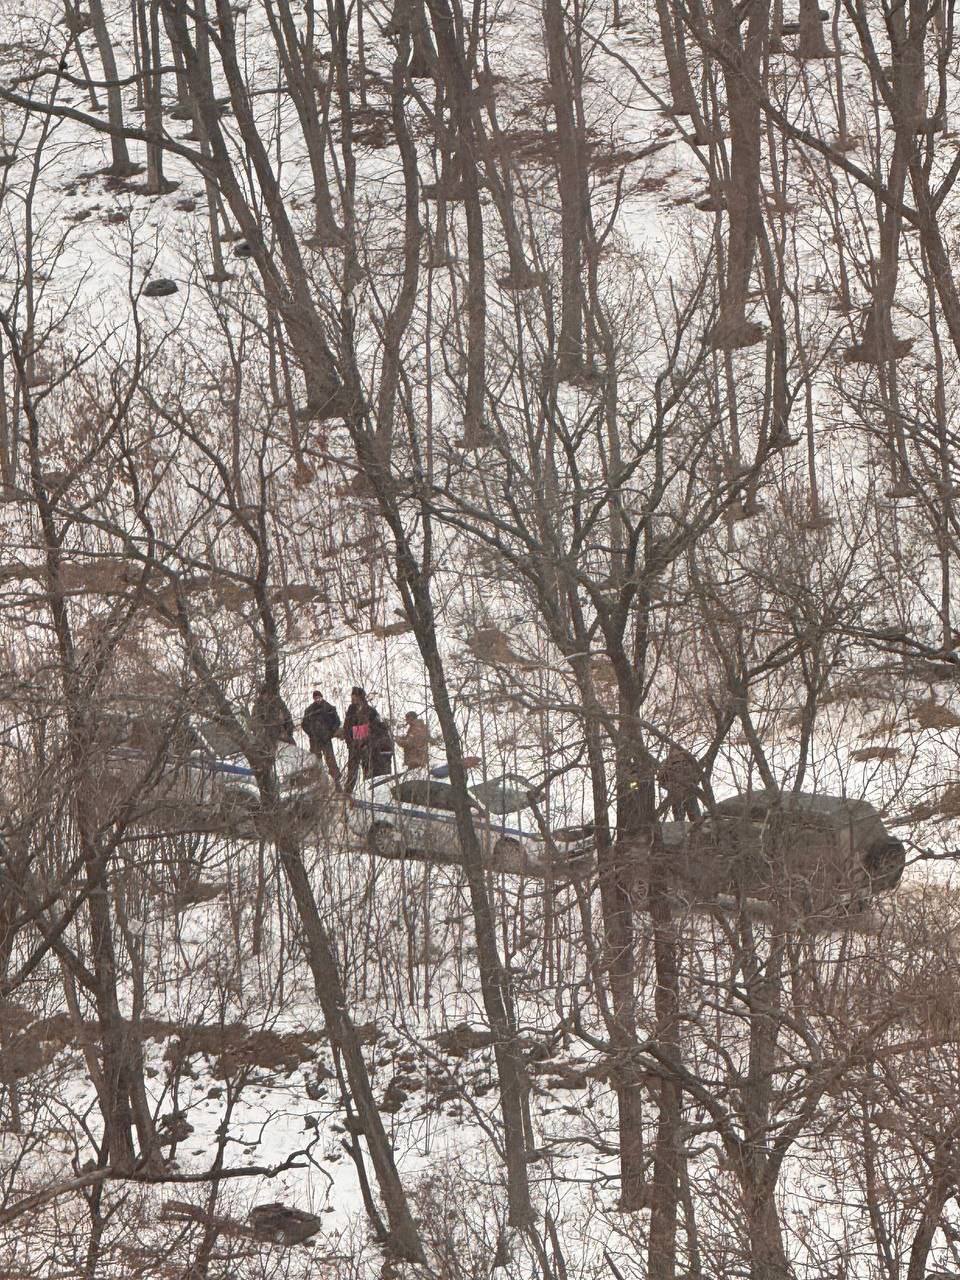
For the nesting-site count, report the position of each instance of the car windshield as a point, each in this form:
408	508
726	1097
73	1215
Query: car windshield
507	794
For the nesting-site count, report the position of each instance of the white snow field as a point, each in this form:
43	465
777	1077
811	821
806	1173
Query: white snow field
816	1059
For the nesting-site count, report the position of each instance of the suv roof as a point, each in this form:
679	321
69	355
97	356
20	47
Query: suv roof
756	804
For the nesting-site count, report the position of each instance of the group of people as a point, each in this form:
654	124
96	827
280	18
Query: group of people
370	742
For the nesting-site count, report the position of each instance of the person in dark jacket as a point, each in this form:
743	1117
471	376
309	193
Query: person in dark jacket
381	749
369	744
320	722
271	717
415	742
680	777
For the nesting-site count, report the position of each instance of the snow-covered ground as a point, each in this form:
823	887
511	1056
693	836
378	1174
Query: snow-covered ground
232	963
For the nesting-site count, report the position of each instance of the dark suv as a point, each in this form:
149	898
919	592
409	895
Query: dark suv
813	851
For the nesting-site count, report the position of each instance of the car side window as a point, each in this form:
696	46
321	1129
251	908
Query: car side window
507	794
424	792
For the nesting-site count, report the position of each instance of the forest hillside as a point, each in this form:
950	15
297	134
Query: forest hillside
565	392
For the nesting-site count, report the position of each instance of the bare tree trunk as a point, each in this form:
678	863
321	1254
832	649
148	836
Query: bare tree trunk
409	18
9	413
121	1053
457	75
500	180
942	1187
662	1253
399	317
298	60
123	1100
121	165
564	70
671	34
494	980
742	59
286	291
8	1076
637	835
763	981
404	1235
812	41
183	83
905	87
148	17
76	23
768	1261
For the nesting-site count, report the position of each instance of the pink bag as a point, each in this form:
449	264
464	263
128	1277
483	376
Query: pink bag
361	732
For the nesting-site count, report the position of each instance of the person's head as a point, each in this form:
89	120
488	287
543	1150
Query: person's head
411	717
358	696
317	695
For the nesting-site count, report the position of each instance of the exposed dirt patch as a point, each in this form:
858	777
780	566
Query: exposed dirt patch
875	753
33	1044
541	146
237	1048
463	1039
14	1017
276	1222
946	805
194	892
655	182
930	714
572	1074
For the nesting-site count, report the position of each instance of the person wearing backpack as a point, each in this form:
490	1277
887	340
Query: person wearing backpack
271	718
381	748
320	722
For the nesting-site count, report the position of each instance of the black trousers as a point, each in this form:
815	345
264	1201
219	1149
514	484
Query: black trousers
373	763
684	806
322	748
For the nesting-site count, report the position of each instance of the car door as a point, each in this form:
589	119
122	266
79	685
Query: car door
426	817
504	813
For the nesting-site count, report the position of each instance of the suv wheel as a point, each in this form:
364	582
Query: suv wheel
883	862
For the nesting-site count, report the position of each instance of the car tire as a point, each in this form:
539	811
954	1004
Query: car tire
383	838
883	862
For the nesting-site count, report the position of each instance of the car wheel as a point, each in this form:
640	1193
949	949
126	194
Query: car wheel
383	838
883	862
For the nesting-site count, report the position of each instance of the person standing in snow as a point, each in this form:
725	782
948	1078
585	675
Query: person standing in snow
369	745
320	722
381	749
272	719
680	777
415	742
